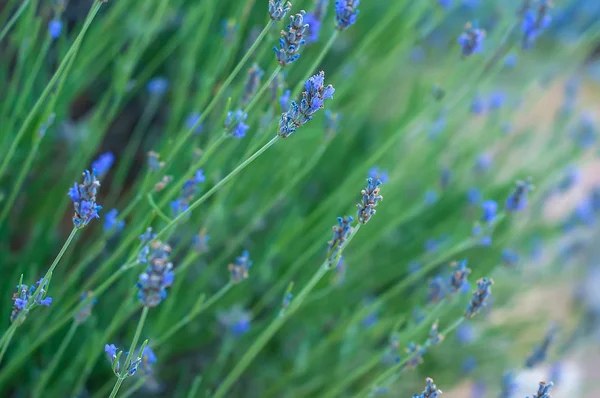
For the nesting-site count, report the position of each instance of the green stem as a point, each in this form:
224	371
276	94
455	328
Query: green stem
7	337
136	386
216	187
55	360
136	337
14	19
182	140
49	87
276	324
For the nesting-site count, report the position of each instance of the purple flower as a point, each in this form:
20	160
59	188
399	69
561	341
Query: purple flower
345	13
543	390
284	100
55	28
458	278
473	196
431	390
236	320
291	40
471	41
314	27
489	208
157	86
377	174
480	296
340	234
535	22
517	200
370	200
465	334
235	122
252	83
497	100
239	271
148	359
25	298
103	163
84	199
278	9
437	289
153	282
111	351
313	99
540	352
192	123
112	222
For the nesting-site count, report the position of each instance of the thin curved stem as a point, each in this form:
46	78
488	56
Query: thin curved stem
14	19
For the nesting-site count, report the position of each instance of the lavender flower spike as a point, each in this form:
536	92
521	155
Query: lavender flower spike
471	40
239	270
291	40
543	390
340	234
370	199
252	83
431	390
278	9
313	99
517	200
157	277
84	199
345	13
484	290
458	279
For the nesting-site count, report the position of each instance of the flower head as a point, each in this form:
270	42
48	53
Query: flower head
465	334
236	320
84	199
340	234
378	174
55	28
154	281
540	352
278	9
436	289
431	391
314	19
313	99
234	122
157	86
517	200
188	191
543	390
370	200
471	41
148	359
103	164
112	222
239	270
25	298
291	40
458	278
346	12
489	208
534	22
252	83
478	301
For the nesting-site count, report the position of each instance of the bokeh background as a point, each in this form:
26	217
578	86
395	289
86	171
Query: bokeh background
156	95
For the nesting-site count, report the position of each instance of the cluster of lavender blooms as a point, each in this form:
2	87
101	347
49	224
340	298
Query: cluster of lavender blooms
314	19
439	287
370	200
252	83
543	390
153	282
471	40
346	12
415	354
434	337
540	352
480	296
239	271
278	9
114	357
313	99
25	298
431	390
535	20
292	39
517	200
340	234
84	199
234	123
188	191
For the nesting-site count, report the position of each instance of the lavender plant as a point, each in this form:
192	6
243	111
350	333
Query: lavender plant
186	122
